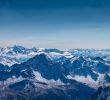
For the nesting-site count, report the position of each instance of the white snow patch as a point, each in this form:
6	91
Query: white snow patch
87	80
50	82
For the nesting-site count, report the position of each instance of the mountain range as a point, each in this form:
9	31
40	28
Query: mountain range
42	74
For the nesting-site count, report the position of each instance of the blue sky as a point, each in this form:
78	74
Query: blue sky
59	24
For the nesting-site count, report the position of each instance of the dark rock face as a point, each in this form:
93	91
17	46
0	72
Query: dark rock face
103	93
28	90
3	67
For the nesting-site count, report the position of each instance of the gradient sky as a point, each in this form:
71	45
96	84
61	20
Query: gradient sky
62	24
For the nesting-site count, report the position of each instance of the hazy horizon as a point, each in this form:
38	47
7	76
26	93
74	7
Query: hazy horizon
62	24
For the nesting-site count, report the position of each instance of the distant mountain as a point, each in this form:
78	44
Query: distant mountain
90	52
19	54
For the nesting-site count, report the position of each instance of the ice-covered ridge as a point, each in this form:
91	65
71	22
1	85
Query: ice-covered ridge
19	54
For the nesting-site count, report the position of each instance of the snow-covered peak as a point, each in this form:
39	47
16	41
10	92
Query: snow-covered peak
17	54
